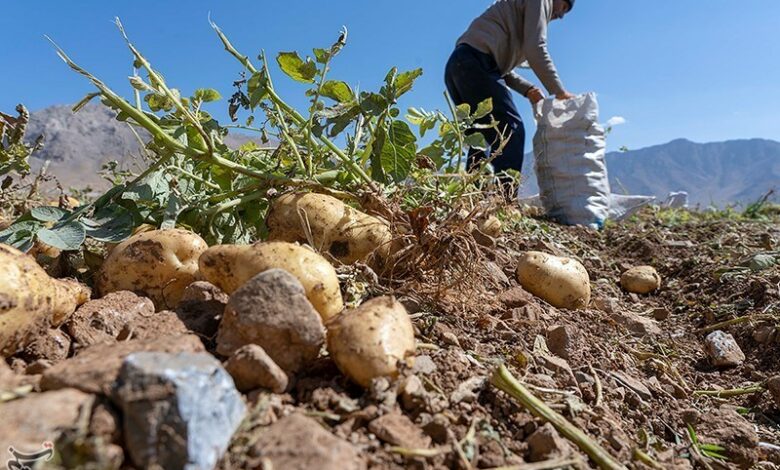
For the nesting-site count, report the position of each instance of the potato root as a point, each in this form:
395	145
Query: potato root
230	266
31	300
562	282
368	342
335	228
158	264
641	280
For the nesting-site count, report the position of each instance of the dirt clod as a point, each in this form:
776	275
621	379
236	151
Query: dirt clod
398	430
299	442
546	444
252	368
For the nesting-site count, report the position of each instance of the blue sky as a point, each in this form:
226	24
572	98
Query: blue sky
706	71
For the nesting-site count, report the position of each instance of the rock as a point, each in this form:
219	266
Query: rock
638	325
561	340
765	334
103	320
271	310
641	280
41	417
413	394
546	444
251	368
105	422
296	442
446	334
201	308
773	385
95	368
37	367
437	428
468	391
398	430
633	384
728	429
497	274
180	410
723	350
515	297
606	304
52	345
8	378
424	365
158	325
660	313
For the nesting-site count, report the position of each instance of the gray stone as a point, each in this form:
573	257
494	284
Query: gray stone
424	365
723	349
180	410
272	311
296	442
252	368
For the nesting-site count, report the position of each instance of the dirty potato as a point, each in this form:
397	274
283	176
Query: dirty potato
334	227
368	342
158	264
30	299
230	266
641	280
562	282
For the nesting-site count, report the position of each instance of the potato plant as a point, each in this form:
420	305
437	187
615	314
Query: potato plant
345	141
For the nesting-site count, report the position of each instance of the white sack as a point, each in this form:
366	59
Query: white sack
570	147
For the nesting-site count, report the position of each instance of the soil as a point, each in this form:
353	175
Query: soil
625	371
631	371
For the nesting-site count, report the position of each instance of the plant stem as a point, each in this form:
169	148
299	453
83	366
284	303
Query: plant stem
503	380
457	128
641	456
734	392
737	321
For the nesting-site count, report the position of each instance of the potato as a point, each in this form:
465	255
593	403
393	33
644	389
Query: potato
336	228
562	282
641	280
368	342
30	299
230	266
490	226
158	264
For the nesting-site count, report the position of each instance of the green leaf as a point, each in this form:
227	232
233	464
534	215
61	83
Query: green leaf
484	108
322	55
398	151
48	213
68	237
172	211
373	104
476	141
84	101
206	95
463	111
337	91
292	64
257	87
405	81
111	224
20	234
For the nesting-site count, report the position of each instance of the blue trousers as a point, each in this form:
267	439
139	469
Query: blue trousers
471	77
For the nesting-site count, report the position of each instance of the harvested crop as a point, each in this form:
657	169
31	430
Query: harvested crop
334	227
641	280
30	299
490	226
562	282
368	342
230	266
158	264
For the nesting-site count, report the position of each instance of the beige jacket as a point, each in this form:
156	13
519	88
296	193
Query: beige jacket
513	31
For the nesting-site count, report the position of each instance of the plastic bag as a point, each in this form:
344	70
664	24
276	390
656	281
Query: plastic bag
570	148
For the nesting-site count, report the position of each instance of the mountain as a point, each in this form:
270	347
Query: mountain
719	173
738	171
78	145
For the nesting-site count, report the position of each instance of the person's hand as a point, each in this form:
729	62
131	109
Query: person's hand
564	96
535	95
